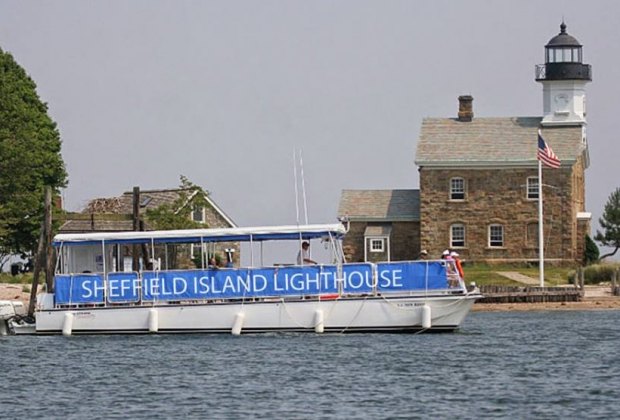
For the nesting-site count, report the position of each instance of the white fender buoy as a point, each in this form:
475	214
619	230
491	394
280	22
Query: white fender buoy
238	324
67	324
426	317
319	324
4	327
153	320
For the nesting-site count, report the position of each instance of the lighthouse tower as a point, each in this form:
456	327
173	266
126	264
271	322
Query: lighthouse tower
564	78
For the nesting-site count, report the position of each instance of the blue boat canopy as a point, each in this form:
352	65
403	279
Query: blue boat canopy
238	234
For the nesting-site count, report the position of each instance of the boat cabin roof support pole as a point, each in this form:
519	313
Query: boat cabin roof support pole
251	252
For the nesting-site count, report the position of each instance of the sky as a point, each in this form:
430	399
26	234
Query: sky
225	92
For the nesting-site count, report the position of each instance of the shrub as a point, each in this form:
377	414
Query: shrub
595	273
591	252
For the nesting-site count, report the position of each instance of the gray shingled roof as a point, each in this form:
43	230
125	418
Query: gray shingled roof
96	225
149	199
380	205
107	208
381	230
493	141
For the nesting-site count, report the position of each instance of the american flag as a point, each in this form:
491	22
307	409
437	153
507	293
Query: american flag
546	155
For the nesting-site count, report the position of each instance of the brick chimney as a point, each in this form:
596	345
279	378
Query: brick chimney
466	108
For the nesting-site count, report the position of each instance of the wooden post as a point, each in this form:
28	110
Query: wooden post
136	227
145	251
40	256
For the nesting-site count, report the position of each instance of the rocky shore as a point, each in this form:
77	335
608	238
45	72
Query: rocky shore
9	291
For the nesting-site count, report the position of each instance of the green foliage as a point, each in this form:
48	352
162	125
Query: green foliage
595	273
30	158
177	215
591	252
610	222
25	278
487	275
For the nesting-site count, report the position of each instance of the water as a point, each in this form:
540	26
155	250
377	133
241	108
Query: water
518	365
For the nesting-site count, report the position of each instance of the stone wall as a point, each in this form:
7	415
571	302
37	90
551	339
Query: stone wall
404	242
499	196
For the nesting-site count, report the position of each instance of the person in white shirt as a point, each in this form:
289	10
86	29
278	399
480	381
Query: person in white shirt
303	256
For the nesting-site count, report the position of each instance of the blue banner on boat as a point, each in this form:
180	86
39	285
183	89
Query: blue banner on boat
78	289
123	287
392	277
243	283
240	283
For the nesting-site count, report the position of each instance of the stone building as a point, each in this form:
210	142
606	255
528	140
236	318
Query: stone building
383	224
479	176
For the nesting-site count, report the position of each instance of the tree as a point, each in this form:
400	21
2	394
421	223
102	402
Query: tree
177	214
591	252
30	158
610	222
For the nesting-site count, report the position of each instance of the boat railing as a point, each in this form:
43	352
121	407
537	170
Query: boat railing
321	282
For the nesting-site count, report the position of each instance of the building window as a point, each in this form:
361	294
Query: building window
457	236
532	188
377	245
457	189
496	236
198	214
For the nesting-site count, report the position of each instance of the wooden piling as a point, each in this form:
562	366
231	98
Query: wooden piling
136	227
40	257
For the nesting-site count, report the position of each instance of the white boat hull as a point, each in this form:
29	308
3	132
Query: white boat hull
360	314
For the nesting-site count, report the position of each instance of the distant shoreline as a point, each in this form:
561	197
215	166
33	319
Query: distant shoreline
588	304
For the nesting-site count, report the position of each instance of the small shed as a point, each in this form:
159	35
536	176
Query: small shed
384	224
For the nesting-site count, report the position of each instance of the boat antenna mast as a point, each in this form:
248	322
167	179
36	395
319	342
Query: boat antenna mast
303	187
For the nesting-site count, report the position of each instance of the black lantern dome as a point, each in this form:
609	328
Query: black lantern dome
563	59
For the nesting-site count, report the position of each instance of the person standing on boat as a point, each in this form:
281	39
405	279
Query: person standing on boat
303	256
457	262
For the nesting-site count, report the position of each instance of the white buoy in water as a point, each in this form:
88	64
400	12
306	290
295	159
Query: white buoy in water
426	317
67	324
319	324
238	324
153	320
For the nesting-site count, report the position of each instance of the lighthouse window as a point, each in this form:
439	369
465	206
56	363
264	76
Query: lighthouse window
457	235
496	236
532	188
567	55
457	189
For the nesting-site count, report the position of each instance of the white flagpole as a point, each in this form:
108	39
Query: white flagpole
541	252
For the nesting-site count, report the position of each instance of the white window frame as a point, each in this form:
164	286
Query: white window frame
456	189
375	241
495	240
532	188
460	241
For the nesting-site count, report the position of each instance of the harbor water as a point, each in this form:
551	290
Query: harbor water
561	364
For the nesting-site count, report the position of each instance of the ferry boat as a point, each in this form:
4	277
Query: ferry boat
93	294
